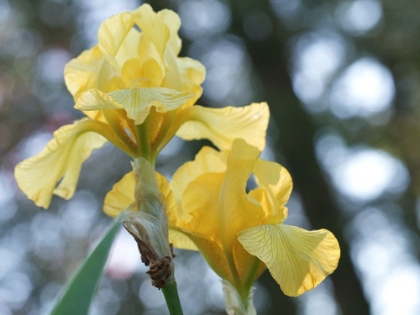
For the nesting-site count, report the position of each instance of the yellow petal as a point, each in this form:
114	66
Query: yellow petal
200	206
222	126
61	159
173	22
212	253
236	211
276	185
136	102
114	33
298	260
208	160
168	197
90	71
137	73
156	31
180	239
121	196
193	74
80	74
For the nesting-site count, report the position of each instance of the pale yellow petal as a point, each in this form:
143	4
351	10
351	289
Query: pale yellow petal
277	185
136	102
60	161
121	196
113	34
172	78
173	22
156	31
90	71
298	260
139	73
222	126
81	73
193	74
93	100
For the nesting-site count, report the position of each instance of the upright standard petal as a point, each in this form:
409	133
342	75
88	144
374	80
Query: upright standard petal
112	36
298	260
274	189
222	126
207	160
172	20
61	160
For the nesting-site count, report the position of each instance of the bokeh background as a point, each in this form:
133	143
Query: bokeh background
343	84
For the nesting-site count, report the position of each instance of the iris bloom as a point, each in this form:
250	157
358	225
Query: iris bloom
240	234
136	93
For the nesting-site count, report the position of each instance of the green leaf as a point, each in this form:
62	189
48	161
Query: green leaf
78	294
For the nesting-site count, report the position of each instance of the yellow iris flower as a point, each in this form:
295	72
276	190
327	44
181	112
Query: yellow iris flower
136	93
238	233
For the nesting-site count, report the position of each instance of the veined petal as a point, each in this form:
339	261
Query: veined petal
222	126
61	159
96	100
136	102
298	260
276	183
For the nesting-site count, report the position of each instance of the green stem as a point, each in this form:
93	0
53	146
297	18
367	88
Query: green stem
143	138
250	278
170	292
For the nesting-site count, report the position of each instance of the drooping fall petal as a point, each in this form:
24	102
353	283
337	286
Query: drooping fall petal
61	159
221	126
297	259
136	102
